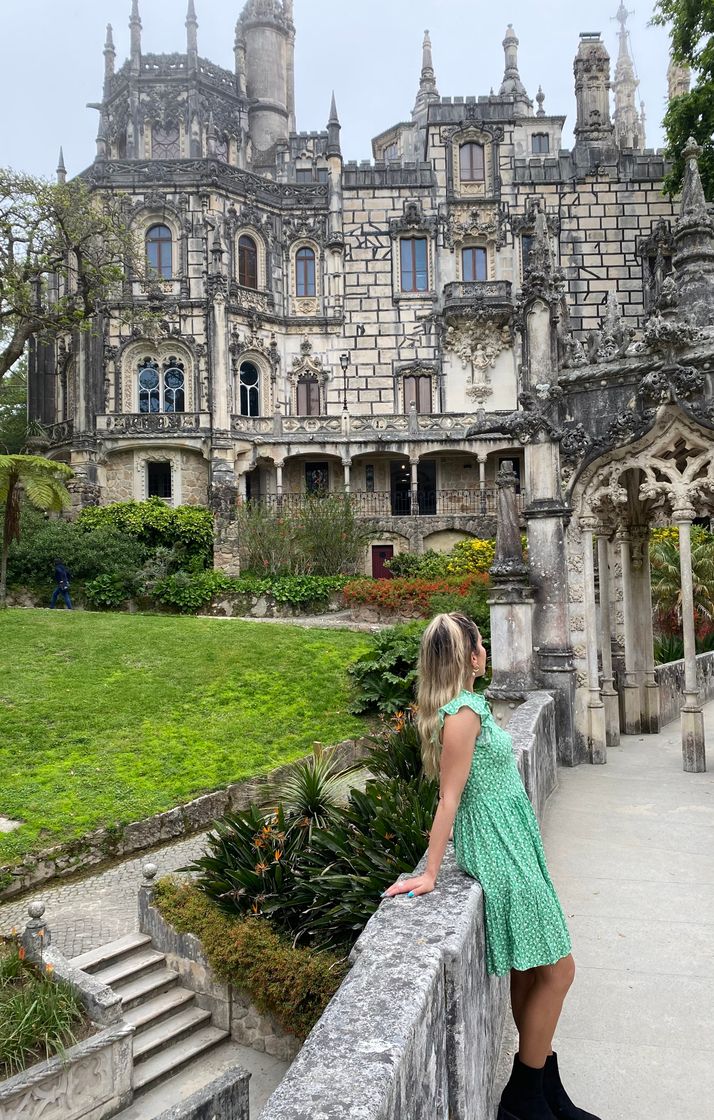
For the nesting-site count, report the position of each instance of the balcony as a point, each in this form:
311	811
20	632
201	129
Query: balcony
464	297
154	423
400	503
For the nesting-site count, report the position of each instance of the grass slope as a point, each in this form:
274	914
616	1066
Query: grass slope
105	719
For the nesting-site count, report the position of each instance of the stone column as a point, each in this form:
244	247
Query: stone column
609	692
693	746
597	733
414	505
631	685
279	479
482	482
346	464
650	707
546	516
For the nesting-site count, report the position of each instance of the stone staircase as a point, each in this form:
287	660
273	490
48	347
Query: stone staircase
171	1031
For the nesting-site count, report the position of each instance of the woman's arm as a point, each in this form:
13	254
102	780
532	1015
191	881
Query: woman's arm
459	737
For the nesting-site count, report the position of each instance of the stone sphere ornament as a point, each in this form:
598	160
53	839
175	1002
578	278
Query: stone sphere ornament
150	872
36	910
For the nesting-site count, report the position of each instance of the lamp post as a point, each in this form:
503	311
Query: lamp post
344	362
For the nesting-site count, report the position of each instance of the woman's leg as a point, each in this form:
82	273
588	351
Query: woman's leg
521	984
541	1009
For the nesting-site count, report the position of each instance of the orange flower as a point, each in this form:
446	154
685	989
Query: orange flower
49	969
21	953
277	855
261	867
40	933
389	835
258	843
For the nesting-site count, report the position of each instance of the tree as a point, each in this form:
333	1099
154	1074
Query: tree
13	409
63	251
667	578
43	483
691	25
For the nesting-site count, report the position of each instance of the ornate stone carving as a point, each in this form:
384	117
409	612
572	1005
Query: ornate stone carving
413	220
477	221
303	225
613	338
668	335
305	364
478	341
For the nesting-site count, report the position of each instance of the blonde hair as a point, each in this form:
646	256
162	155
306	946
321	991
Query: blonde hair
444	670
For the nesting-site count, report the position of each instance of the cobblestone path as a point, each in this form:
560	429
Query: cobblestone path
100	906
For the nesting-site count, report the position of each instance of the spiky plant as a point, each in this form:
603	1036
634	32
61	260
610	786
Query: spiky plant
313	789
42	481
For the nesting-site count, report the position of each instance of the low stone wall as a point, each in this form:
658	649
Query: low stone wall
414	1031
226	1097
670	678
106	844
223	606
230	1009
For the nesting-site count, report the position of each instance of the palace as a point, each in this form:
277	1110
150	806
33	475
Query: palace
480	292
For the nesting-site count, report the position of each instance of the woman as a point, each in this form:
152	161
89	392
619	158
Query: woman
498	842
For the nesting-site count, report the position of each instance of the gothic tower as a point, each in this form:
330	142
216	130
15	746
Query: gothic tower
265	47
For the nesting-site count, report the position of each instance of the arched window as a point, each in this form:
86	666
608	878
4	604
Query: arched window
471	163
247	262
249	390
305	272
308	396
222	147
149	381
159	252
473	263
174	386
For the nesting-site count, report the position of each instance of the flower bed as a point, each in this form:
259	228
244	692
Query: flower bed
387	599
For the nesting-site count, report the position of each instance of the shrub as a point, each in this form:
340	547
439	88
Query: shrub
189	591
294	984
155	524
38	1016
471	600
409	596
321	536
396	751
385	675
87	554
109	591
425	565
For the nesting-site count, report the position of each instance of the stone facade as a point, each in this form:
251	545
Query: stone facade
396	329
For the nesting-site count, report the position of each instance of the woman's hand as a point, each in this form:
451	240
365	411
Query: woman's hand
420	884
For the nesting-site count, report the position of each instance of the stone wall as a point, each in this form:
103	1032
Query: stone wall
670	679
414	1031
225	1097
230	1009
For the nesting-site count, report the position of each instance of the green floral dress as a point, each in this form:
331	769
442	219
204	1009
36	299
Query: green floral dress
498	842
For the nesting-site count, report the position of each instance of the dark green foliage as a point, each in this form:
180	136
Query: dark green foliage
425	565
668	647
88	554
321	536
294	984
155	524
109	591
474	603
385	676
13	409
691	24
38	1016
189	592
396	753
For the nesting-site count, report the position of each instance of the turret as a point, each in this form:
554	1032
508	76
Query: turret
427	83
628	126
135	30
266	28
512	86
693	256
678	79
192	37
592	85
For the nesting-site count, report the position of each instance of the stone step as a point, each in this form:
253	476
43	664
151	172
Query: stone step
155	1068
145	960
151	1011
146	987
169	1031
114	950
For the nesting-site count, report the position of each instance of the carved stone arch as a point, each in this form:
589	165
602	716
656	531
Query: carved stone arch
131	354
245	229
261	361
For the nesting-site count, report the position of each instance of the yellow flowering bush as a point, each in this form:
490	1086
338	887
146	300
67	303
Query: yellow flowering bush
475	555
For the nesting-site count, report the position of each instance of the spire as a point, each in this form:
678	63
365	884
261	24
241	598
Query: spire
678	78
693	207
135	30
61	169
333	130
192	36
512	86
427	82
628	132
109	58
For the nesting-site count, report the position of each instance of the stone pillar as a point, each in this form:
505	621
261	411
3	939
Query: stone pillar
631	685
219	355
279	479
650	699
346	464
693	746
597	734
546	517
609	692
36	936
414	465
511	603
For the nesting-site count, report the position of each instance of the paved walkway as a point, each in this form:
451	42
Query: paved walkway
630	847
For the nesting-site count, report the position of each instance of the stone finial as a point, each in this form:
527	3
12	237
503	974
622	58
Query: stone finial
693	255
540	98
333	130
192	36
693	205
36	909
538	279
61	169
626	118
512	86
149	872
428	91
36	937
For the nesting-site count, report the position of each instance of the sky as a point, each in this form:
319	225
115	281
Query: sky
368	51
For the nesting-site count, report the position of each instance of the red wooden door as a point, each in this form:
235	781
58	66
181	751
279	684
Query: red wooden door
380	553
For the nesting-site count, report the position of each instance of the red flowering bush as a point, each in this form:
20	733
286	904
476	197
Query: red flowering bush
411	596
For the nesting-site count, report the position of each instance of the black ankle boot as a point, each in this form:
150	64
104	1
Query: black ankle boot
556	1096
523	1098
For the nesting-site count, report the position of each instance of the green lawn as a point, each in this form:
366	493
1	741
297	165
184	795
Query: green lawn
105	719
